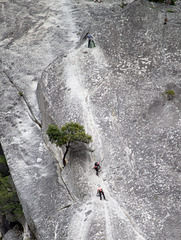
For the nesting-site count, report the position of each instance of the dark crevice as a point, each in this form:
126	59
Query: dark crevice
71	196
67	188
60	170
11	213
32	116
65	207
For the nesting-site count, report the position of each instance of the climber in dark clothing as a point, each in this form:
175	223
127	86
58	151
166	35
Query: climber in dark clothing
97	167
165	20
91	43
101	192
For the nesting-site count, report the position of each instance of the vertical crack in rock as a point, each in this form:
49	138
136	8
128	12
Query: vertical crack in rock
32	116
73	199
59	172
132	224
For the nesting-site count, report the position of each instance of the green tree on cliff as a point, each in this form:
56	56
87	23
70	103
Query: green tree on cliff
9	202
69	133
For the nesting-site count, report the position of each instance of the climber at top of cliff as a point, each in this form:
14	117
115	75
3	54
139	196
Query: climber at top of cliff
91	43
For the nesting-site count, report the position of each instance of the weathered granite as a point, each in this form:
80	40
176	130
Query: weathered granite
116	91
11	235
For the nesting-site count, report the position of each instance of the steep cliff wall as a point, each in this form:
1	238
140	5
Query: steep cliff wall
117	91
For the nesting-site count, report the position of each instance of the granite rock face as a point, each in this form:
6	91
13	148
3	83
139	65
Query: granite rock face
10	235
117	90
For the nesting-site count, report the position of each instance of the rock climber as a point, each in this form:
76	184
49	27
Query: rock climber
100	192
91	43
165	20
97	167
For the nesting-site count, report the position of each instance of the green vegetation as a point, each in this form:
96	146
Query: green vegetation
170	94
2	160
20	93
9	202
69	133
10	207
170	2
122	5
170	11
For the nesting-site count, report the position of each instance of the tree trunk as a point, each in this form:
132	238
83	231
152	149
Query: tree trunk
66	151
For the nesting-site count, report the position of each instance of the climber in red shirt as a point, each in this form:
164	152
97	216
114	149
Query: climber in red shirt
101	192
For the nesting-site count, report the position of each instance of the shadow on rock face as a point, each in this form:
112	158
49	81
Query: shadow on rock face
76	172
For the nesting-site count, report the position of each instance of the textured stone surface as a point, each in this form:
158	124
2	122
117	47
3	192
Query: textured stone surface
11	235
116	91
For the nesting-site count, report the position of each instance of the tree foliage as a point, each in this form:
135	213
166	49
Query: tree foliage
69	133
8	198
170	94
9	202
4	170
2	160
170	2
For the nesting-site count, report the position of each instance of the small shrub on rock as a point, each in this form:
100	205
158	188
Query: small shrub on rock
21	93
170	11
123	5
170	2
170	94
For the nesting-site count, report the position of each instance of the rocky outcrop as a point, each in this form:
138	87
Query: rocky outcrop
118	92
10	235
